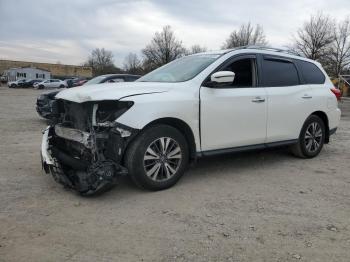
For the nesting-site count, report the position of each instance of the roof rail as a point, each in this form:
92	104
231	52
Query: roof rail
268	48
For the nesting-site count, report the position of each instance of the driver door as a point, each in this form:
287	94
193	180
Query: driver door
234	115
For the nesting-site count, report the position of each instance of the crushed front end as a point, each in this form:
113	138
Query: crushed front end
83	149
44	104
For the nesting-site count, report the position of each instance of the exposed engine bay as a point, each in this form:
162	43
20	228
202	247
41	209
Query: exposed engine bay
84	146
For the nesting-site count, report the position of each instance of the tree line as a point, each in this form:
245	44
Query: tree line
320	38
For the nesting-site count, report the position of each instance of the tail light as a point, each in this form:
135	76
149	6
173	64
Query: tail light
337	93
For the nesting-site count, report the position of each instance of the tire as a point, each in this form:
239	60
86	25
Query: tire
148	167
61	86
13	86
41	87
311	138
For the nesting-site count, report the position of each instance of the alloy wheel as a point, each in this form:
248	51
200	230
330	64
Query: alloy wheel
162	159
313	137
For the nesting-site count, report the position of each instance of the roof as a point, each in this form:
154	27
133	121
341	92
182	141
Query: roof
260	49
29	67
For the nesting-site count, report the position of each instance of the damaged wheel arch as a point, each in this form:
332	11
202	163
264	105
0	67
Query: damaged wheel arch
181	126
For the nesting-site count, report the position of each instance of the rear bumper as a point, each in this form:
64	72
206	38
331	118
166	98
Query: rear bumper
333	131
85	177
334	118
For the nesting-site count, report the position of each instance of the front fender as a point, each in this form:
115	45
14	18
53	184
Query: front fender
150	107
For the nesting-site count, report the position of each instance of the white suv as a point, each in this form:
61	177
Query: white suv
199	105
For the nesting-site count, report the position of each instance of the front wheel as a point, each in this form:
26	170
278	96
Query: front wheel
157	158
311	138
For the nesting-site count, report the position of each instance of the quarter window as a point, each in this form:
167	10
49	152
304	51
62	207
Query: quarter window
279	73
311	73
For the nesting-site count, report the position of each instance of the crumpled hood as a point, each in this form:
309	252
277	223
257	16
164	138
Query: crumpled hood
111	91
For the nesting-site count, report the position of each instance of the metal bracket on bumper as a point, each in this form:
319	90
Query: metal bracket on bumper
86	178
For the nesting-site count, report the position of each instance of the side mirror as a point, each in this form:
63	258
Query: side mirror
222	77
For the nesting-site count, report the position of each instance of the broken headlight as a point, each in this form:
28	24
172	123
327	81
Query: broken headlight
106	112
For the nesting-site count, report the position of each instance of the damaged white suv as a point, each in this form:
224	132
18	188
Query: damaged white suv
199	105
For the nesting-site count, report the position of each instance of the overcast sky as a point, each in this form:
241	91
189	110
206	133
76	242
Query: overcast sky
67	30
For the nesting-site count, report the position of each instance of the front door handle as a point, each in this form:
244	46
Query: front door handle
258	99
306	96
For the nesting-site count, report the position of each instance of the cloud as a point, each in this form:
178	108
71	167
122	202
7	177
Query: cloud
67	30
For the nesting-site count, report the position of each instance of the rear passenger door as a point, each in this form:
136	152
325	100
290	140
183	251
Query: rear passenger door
289	101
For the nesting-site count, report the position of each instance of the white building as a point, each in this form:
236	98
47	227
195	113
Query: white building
14	74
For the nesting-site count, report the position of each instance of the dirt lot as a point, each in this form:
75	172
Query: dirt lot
259	206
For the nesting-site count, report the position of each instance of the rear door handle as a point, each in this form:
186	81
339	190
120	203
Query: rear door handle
258	99
306	96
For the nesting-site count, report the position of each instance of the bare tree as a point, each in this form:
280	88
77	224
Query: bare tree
339	51
247	34
132	64
101	61
163	48
314	37
196	49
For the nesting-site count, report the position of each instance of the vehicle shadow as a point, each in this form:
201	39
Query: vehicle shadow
211	169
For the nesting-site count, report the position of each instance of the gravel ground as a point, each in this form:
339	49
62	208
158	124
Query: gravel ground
257	206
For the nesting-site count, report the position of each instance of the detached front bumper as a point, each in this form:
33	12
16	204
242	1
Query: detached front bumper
87	178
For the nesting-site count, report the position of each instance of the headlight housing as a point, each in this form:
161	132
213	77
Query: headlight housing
106	112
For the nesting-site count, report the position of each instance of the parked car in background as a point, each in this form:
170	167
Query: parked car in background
30	83
51	83
3	78
199	105
45	101
69	82
75	81
79	82
14	84
112	78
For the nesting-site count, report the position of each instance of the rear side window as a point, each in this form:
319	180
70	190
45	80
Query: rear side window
279	73
311	73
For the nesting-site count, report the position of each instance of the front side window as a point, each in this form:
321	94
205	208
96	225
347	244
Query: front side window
311	73
279	73
244	70
180	70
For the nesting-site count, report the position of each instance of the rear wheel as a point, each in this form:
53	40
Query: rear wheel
157	158
311	138
41	87
61	86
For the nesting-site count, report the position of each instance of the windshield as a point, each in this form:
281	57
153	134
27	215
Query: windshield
180	70
95	80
